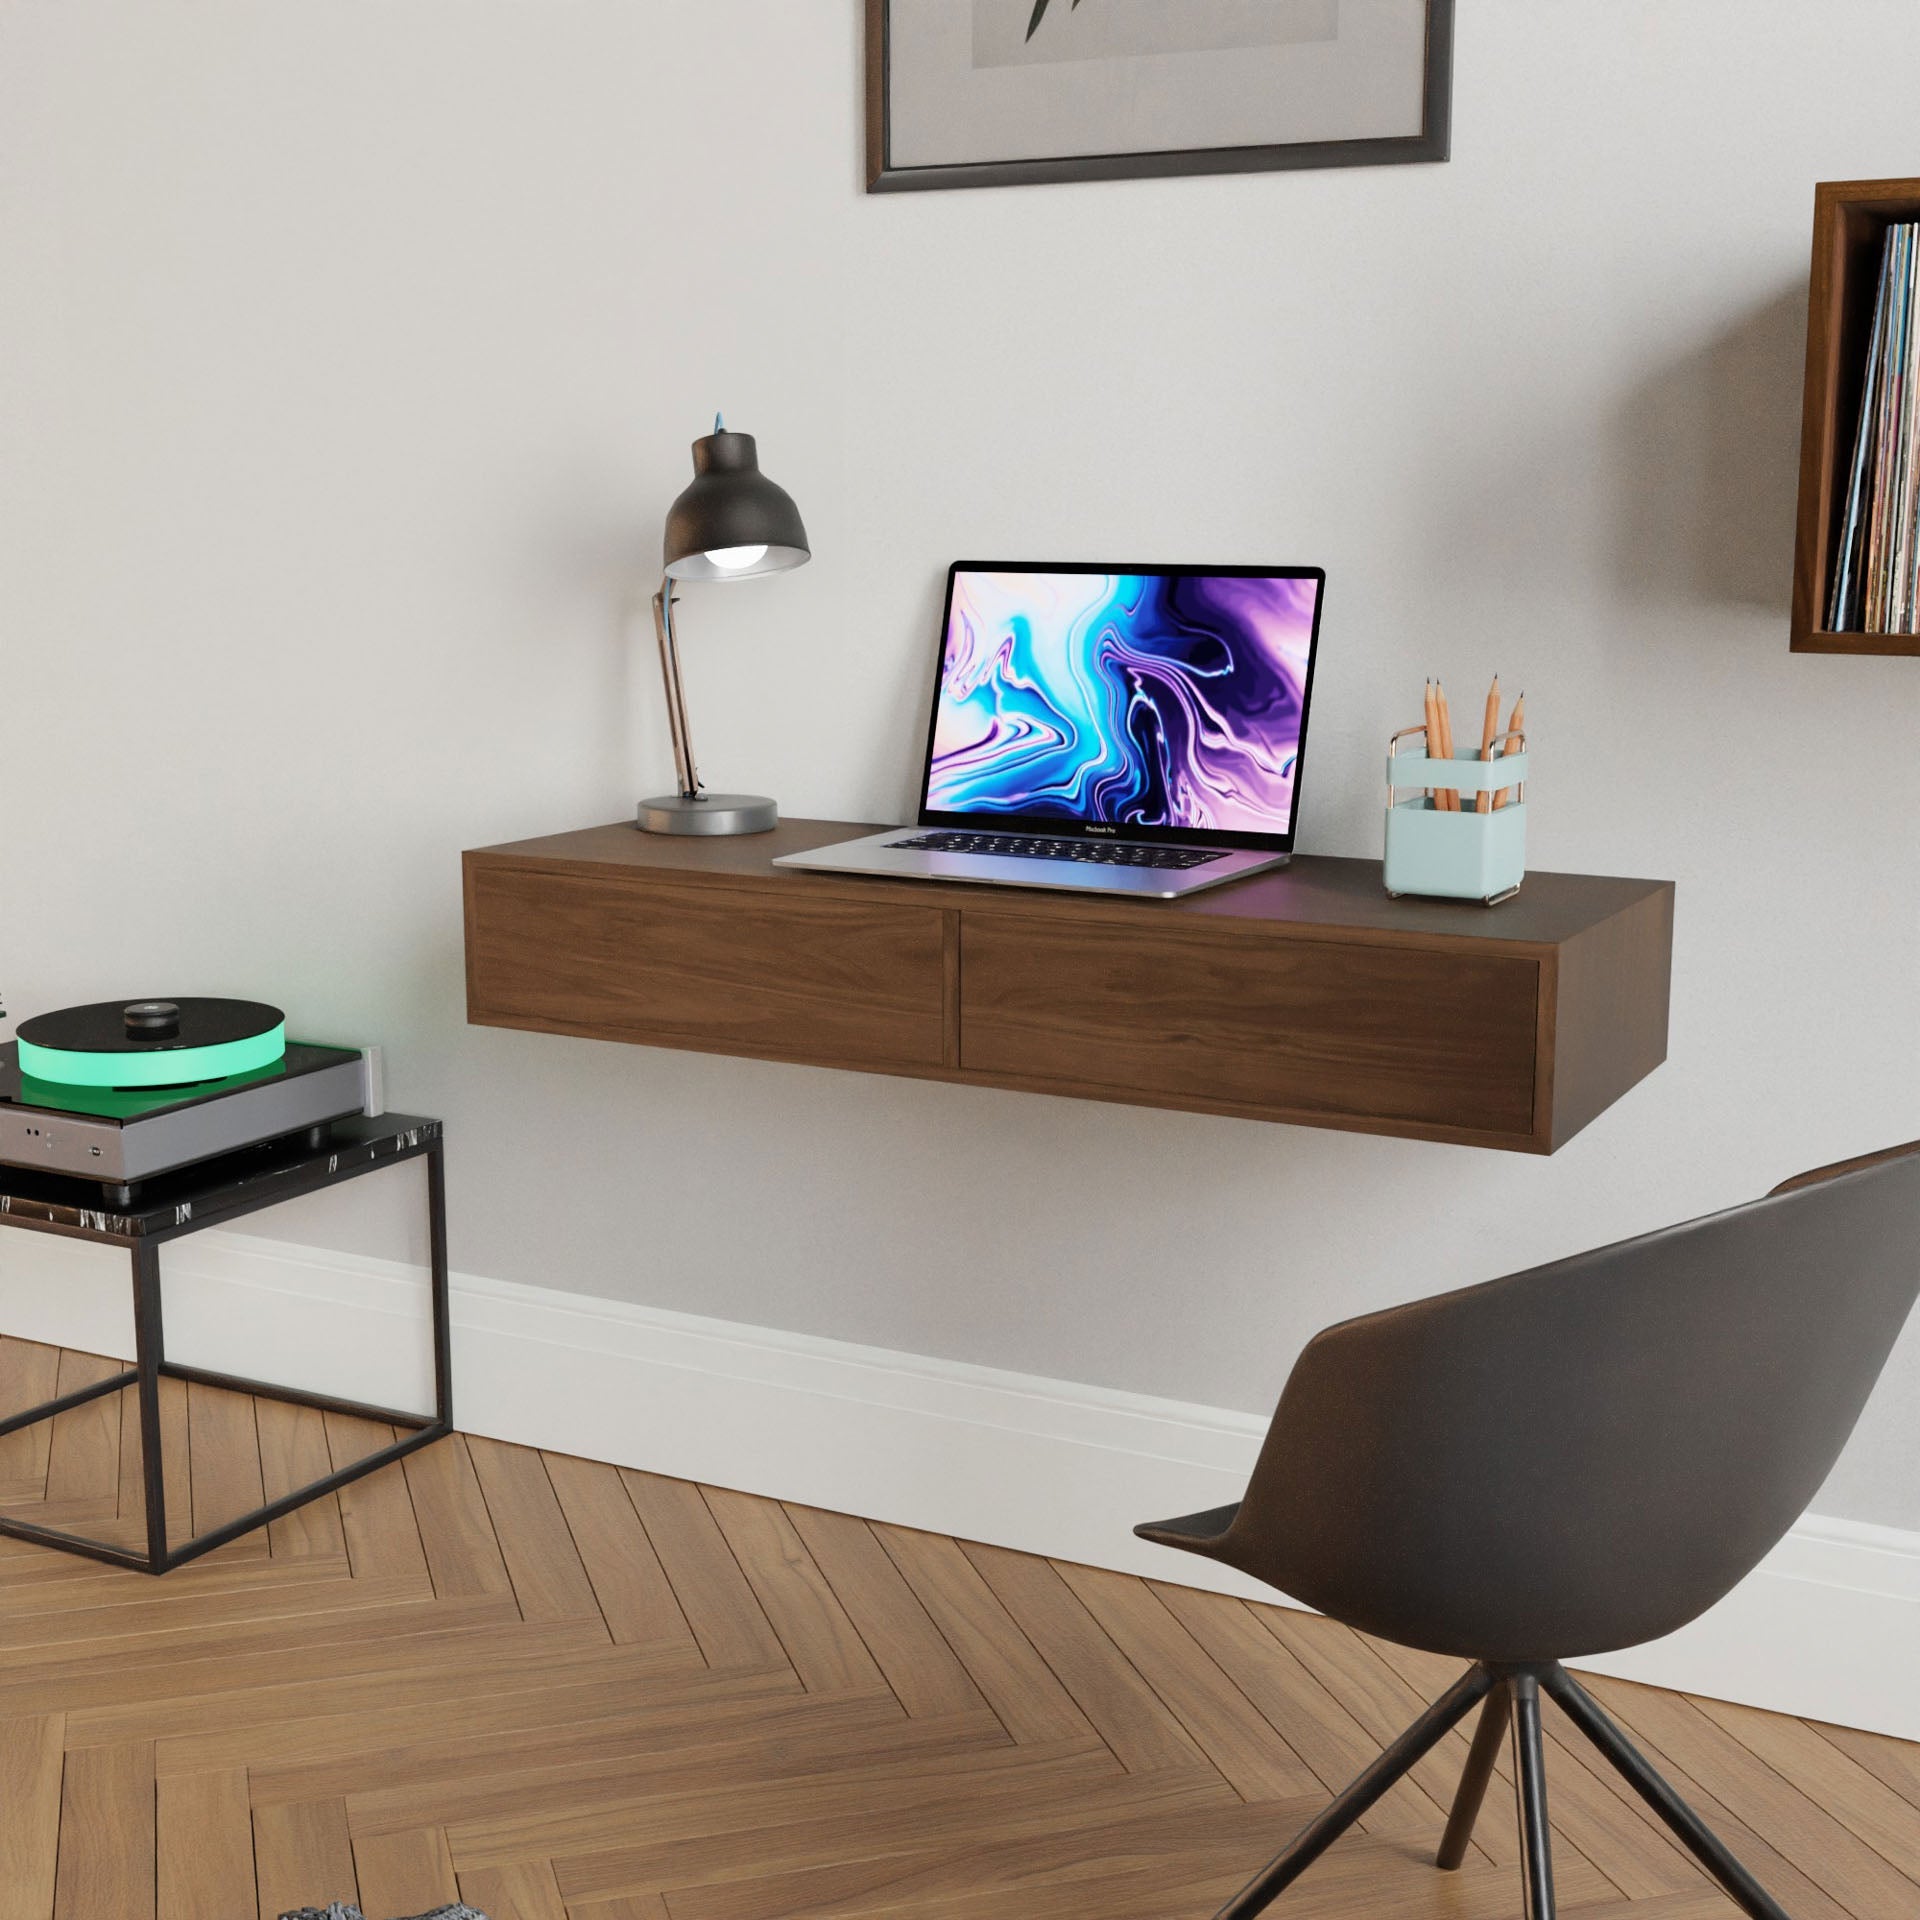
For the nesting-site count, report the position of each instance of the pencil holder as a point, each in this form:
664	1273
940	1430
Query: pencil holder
1456	856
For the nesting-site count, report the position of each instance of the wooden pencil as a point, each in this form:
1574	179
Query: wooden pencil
1431	716
1516	723
1449	799
1489	731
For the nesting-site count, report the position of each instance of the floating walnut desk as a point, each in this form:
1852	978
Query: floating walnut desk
1304	995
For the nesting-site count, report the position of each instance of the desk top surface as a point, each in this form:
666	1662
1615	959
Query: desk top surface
1314	891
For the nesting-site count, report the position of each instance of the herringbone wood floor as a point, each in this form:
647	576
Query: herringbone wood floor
569	1692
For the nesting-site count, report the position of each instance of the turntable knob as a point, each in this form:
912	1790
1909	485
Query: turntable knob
153	1020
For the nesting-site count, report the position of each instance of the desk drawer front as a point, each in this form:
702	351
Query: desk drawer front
1301	1026
850	984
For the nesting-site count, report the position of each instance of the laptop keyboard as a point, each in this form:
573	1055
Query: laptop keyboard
1091	853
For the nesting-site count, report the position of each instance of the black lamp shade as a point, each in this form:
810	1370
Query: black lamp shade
729	505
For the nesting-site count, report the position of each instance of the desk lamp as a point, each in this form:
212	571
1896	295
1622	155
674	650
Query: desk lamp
731	523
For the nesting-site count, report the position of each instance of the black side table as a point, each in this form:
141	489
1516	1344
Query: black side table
213	1194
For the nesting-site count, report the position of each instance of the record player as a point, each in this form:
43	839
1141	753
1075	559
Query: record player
119	1091
132	1124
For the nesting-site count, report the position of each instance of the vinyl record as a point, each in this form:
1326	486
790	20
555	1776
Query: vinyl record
151	1043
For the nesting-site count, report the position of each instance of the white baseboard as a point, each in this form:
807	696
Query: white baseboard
1825	1628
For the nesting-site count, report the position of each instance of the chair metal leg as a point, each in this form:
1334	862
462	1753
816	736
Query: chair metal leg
1584	1711
1313	1840
1472	1790
1530	1770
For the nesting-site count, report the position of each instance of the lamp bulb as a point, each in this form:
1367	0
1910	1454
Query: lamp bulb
736	559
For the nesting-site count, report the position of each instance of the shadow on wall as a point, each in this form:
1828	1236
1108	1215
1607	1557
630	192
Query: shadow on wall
913	679
1706	456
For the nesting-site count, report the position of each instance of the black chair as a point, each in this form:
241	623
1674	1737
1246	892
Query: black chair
1570	1461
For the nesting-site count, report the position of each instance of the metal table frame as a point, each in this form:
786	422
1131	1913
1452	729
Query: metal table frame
359	1147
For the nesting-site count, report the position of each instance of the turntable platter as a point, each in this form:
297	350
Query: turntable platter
151	1043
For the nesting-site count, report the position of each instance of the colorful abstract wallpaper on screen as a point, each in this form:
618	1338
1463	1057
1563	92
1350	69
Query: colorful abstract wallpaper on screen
1135	699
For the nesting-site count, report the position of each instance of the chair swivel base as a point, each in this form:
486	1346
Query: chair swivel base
1505	1694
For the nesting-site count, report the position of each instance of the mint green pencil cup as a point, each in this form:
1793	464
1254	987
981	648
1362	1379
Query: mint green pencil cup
1455	856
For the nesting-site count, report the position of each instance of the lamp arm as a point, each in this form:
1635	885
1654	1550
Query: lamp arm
683	767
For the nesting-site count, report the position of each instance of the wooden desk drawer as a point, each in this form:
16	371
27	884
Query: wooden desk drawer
629	957
1293	1027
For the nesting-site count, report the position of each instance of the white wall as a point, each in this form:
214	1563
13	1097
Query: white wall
348	357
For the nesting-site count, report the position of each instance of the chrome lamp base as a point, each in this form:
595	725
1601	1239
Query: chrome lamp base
711	813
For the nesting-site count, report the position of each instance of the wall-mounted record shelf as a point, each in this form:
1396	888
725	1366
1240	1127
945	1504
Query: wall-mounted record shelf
1850	217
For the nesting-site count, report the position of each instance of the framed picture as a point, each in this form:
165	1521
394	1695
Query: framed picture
1002	93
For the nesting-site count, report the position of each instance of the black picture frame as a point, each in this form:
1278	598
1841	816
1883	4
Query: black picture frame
1432	143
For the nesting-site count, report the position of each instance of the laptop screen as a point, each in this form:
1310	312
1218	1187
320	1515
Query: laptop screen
1163	703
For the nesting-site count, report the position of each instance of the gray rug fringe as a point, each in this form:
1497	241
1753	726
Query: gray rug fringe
339	1910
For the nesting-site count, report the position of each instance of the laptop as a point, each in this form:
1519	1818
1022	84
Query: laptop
1131	730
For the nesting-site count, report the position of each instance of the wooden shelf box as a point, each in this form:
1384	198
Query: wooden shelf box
1850	219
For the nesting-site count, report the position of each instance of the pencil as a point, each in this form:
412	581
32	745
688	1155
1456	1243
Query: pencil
1515	723
1450	798
1432	717
1489	728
